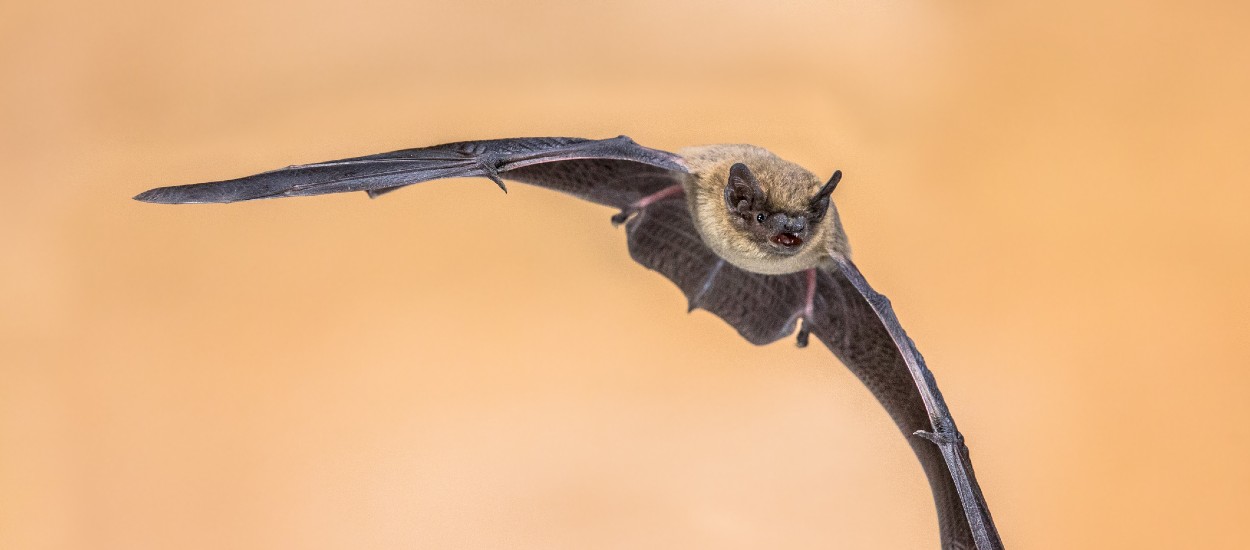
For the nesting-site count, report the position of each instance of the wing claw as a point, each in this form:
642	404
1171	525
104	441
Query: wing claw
493	174
940	438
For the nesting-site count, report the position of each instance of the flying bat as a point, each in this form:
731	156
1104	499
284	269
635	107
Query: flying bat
752	238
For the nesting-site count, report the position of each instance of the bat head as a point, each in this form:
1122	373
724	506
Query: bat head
779	228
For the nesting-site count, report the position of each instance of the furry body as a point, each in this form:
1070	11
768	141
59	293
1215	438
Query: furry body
787	187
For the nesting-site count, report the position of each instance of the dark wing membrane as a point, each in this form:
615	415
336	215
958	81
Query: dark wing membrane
765	308
855	330
607	181
616	161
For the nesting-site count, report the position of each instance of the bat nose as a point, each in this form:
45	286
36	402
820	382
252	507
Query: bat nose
796	224
782	223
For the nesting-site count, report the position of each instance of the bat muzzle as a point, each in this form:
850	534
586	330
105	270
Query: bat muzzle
787	241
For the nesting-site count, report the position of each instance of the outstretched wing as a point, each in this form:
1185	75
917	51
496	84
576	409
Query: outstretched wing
855	323
859	326
615	172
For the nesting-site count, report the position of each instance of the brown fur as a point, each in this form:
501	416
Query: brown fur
787	187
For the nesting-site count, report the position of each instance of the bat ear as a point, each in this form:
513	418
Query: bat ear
829	187
742	192
820	203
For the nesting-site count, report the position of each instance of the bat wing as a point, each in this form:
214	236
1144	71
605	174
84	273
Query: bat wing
615	172
763	308
859	326
855	323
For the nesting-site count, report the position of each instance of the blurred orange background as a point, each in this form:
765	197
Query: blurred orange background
1053	195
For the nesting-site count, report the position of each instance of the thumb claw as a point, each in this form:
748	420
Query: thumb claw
939	438
498	181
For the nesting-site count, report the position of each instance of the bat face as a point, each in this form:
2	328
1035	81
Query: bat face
760	212
776	228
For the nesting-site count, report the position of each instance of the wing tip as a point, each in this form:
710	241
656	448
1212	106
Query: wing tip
177	194
199	193
159	195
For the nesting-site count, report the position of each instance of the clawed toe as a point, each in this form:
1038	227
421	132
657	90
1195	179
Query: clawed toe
805	330
621	217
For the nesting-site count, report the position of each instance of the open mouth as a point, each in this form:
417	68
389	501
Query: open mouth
788	240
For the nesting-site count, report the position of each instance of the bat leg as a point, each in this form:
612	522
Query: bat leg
669	192
805	315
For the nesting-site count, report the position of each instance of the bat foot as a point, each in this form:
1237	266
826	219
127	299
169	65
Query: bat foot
621	217
805	330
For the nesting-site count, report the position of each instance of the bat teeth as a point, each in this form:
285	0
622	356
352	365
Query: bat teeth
788	240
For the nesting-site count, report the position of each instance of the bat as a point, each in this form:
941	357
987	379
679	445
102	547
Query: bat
751	238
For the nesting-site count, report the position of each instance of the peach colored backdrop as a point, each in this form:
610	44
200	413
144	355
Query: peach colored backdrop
1054	196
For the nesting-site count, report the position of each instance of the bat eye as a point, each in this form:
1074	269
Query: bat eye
760	217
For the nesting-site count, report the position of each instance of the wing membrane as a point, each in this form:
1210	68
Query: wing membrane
848	319
533	160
